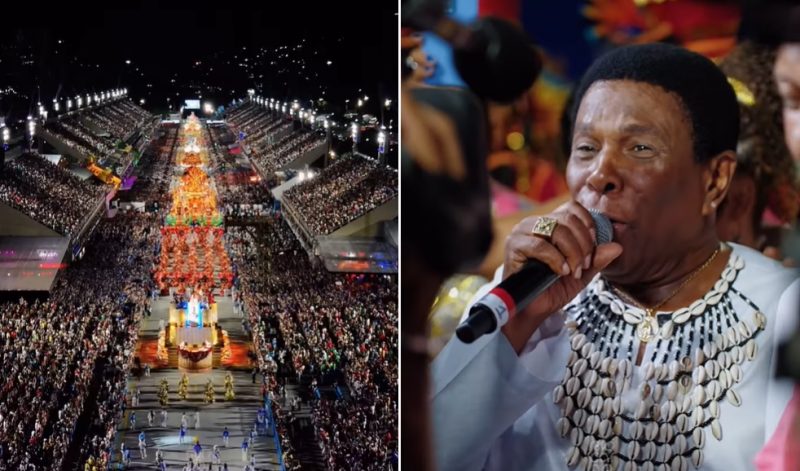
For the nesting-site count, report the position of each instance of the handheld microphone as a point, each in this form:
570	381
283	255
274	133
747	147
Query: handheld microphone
517	291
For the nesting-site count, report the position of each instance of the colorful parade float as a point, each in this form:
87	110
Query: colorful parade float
194	263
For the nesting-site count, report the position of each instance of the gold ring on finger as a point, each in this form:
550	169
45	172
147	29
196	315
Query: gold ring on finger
544	227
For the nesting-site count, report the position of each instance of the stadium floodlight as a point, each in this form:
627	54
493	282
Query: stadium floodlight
360	103
69	104
325	124
381	142
6	134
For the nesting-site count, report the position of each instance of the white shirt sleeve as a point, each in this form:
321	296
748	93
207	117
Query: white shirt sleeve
479	390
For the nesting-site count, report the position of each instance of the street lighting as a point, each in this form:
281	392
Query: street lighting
381	145
31	132
354	135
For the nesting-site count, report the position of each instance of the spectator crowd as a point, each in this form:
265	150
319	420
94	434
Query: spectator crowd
49	194
342	192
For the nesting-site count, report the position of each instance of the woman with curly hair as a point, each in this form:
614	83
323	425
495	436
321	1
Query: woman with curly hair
763	196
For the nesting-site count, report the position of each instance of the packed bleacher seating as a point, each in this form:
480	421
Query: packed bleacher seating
271	142
339	330
48	193
134	235
50	348
342	192
119	118
154	171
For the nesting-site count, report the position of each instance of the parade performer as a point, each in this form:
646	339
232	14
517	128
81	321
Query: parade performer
210	392
183	387
229	394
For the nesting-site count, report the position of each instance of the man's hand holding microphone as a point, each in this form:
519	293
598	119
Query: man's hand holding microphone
549	260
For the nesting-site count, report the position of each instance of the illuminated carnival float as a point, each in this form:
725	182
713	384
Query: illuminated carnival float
194	262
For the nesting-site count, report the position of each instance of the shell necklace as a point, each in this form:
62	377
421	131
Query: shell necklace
647	329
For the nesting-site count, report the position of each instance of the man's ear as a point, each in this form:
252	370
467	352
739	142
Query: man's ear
717	180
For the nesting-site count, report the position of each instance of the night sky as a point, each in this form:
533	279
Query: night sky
216	50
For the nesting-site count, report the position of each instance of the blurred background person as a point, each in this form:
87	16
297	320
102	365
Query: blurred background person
762	200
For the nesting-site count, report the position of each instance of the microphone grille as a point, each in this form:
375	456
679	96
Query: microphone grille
605	232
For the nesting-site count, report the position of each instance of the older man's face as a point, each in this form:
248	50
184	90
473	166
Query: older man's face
632	159
787	76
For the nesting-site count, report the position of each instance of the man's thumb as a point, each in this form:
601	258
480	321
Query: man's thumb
603	256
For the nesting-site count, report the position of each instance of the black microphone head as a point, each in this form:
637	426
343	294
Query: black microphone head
603	228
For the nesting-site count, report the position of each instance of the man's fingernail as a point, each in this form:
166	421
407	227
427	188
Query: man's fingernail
578	273
588	262
565	268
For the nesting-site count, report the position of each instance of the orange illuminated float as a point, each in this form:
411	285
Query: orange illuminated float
192	251
193	257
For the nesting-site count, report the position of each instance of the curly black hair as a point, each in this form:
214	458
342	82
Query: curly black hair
761	153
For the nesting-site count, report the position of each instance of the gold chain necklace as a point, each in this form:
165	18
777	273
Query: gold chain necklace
646	330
